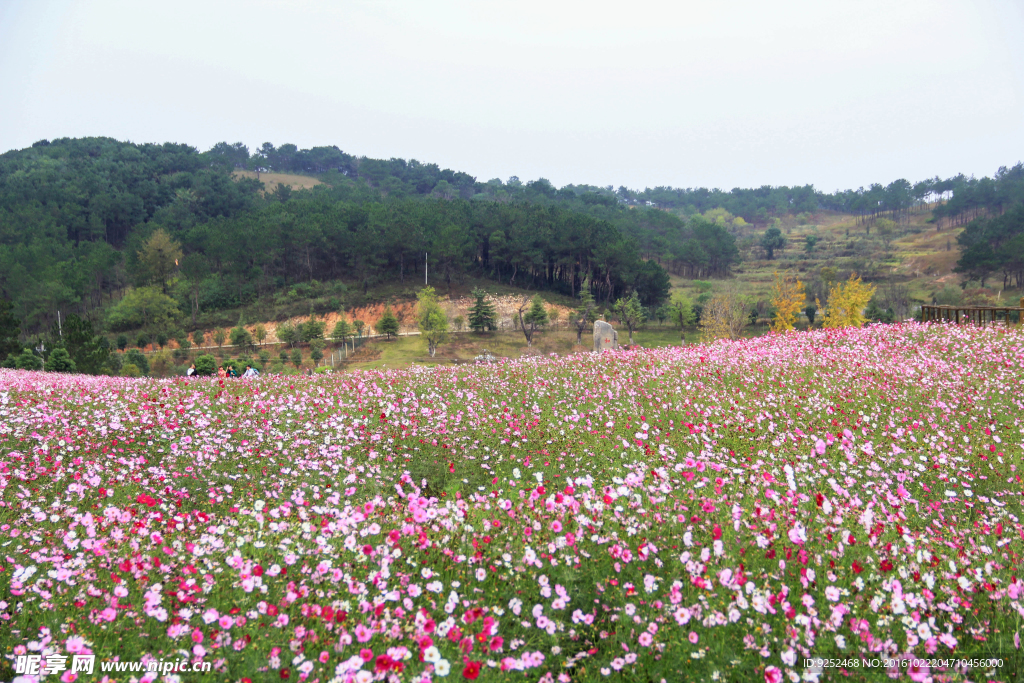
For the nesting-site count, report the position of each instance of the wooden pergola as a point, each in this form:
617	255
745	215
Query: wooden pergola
977	315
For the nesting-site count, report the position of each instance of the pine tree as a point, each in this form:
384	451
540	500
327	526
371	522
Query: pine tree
482	316
388	323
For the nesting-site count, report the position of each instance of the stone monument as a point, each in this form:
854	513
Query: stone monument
605	336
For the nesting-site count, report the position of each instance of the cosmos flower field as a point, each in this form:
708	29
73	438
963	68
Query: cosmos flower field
717	512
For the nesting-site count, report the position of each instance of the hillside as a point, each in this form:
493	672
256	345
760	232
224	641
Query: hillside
162	240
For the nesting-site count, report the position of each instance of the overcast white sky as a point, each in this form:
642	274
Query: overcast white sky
721	93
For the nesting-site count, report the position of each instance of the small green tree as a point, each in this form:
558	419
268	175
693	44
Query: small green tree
359	325
60	361
771	240
198	337
433	322
219	336
680	312
342	330
458	322
259	333
630	312
388	323
143	341
161	340
582	314
535	317
312	329
810	311
27	360
287	333
482	315
241	338
296	357
206	365
316	350
122	342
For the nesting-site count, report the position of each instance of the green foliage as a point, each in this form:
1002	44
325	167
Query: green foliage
342	330
388	323
316	352
143	341
771	240
993	245
158	258
810	242
88	351
161	339
122	342
680	312
10	329
287	333
581	317
296	358
949	295
131	370
241	338
312	329
630	311
136	358
810	311
198	337
27	360
482	317
432	320
206	365
535	317
145	307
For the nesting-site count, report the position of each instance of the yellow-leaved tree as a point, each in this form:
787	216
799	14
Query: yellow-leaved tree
787	299
846	303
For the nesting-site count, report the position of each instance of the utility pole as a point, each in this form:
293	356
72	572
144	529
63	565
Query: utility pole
426	268
60	328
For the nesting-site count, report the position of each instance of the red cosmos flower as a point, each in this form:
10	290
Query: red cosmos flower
716	533
607	499
819	499
327	613
856	567
257	570
148	501
886	566
272	610
451	467
471	671
340	616
367	549
285	674
384	662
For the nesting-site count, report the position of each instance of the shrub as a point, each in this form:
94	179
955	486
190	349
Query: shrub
27	360
60	361
138	359
206	365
